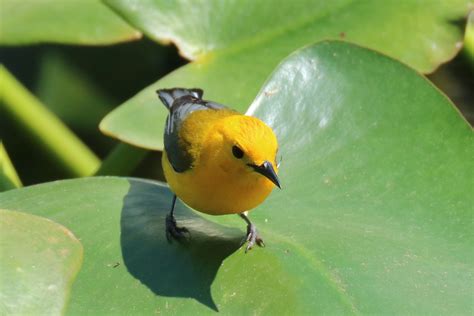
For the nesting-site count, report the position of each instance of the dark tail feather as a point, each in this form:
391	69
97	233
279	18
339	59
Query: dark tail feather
167	96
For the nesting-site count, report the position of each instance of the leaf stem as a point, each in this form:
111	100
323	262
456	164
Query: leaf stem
8	177
469	39
122	160
45	128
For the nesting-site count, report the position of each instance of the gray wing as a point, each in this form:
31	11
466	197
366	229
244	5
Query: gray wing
179	111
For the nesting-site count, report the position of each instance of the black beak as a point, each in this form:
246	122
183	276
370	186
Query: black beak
266	169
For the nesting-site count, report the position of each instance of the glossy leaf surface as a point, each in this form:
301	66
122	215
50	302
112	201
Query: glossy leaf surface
40	260
374	216
235	45
68	22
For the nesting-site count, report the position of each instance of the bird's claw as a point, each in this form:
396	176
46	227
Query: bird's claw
173	231
253	238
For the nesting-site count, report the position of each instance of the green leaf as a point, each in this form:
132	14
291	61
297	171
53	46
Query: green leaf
378	171
69	22
236	44
40	260
374	216
128	260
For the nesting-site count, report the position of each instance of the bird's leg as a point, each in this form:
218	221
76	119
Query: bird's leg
252	234
172	230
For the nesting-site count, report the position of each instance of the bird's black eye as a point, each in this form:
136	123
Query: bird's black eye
237	152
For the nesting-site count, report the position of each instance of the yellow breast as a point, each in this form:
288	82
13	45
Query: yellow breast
212	193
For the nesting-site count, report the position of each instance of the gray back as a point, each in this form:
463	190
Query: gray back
180	109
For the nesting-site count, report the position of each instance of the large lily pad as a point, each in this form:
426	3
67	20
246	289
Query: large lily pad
69	22
374	215
128	262
237	44
40	260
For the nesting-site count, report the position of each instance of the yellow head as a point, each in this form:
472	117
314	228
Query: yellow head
242	151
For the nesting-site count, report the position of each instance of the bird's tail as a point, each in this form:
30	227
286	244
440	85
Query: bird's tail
167	96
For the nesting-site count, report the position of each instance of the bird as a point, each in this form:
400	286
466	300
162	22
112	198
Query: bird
216	160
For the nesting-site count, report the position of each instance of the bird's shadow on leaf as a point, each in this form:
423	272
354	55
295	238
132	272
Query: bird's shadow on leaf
184	269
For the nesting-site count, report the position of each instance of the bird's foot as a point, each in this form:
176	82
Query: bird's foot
253	237
173	231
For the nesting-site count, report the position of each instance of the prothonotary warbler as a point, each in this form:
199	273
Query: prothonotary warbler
215	159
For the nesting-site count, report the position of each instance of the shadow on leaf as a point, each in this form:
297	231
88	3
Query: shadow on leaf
177	269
